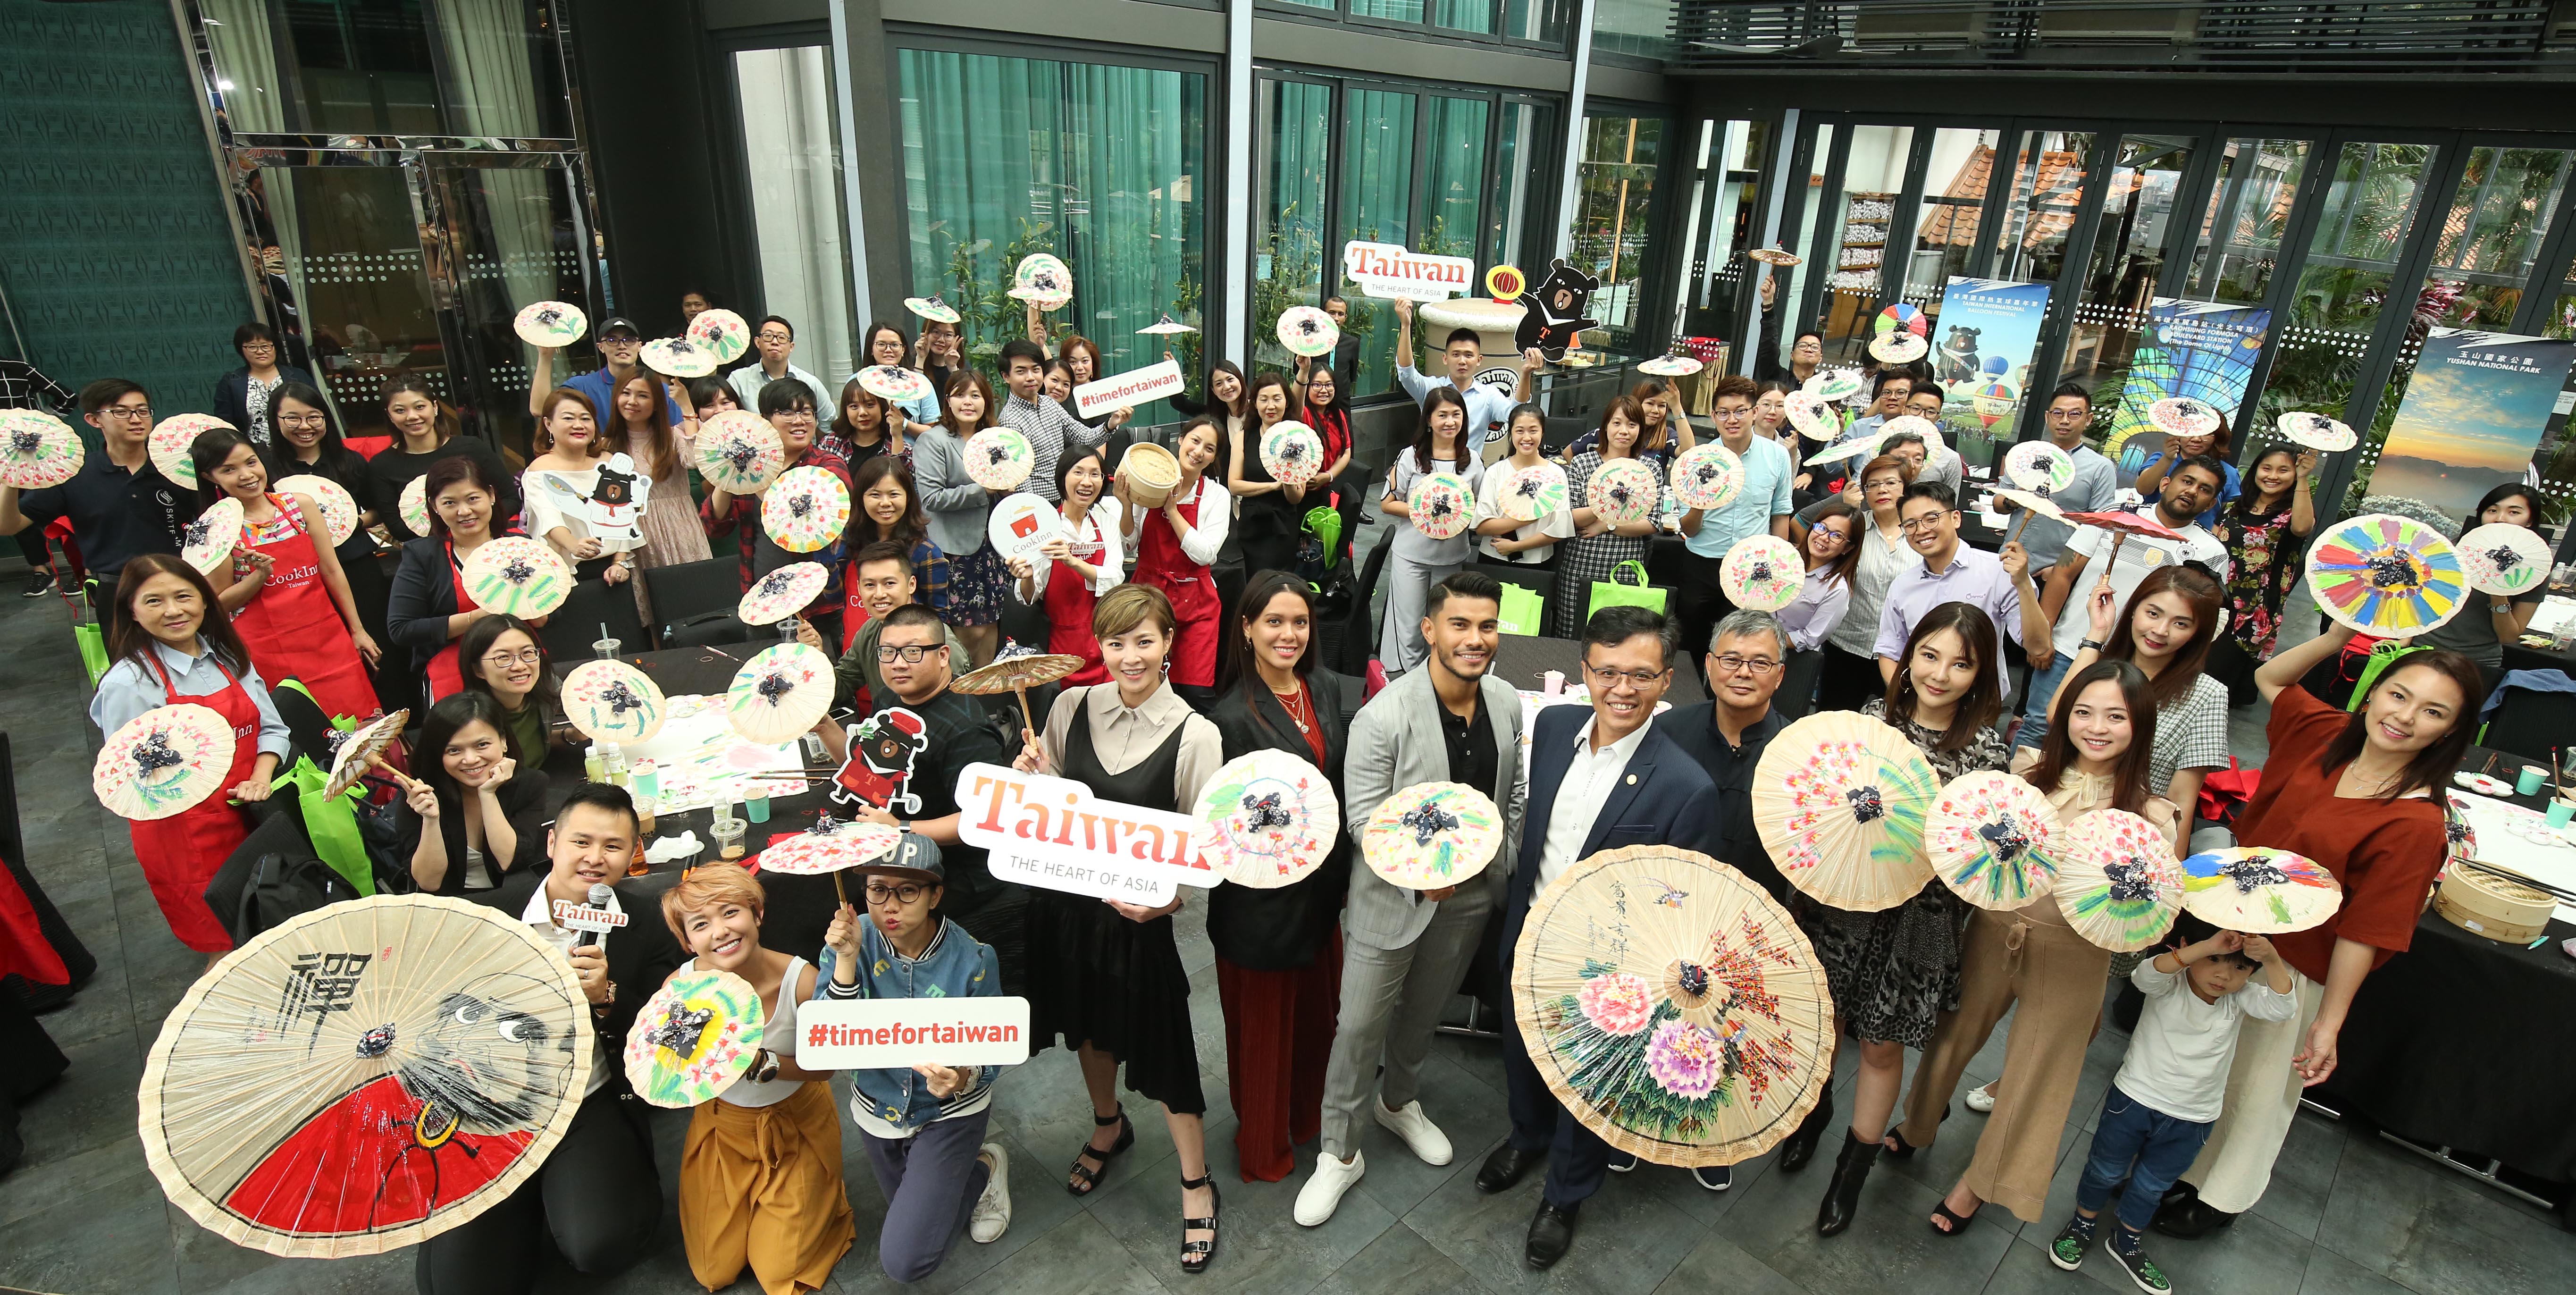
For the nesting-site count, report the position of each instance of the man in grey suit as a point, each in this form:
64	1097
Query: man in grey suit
1404	952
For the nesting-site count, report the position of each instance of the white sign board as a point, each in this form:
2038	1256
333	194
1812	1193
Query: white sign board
891	1033
1389	270
1134	387
581	917
1052	833
1021	524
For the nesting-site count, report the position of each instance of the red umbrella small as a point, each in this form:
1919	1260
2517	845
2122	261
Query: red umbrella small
2122	525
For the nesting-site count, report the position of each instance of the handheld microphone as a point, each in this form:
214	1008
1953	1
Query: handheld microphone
599	896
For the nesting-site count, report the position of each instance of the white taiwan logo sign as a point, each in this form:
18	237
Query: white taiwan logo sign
1387	270
1051	833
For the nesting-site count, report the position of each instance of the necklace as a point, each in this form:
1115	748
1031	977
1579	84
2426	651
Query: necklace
1300	711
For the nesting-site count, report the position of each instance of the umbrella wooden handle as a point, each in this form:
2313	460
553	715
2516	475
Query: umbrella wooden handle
409	783
1023	691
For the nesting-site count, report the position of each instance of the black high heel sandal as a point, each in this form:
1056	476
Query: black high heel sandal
1091	1162
1904	1149
1197	1255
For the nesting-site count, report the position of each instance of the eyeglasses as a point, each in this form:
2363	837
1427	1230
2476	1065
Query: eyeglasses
772	337
1633	678
902	892
500	660
2070	415
259	346
1735	663
142	412
1923	523
621	341
887	654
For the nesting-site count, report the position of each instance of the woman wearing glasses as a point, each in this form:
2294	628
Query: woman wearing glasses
247	396
789	406
506	661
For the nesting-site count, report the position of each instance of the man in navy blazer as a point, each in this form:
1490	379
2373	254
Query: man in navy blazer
1599	779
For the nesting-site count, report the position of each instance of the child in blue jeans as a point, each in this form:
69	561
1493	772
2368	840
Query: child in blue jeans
2170	1087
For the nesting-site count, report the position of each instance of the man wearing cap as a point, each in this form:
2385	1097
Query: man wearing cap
619	342
119	503
923	1125
774	339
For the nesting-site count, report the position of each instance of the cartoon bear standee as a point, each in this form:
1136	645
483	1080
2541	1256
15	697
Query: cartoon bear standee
1555	311
883	748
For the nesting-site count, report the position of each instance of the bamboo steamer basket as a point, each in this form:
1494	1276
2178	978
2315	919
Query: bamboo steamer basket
1151	473
2493	905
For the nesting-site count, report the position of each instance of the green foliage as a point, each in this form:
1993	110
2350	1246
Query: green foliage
980	289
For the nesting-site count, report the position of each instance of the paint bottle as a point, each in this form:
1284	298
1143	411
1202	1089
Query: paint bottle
590	766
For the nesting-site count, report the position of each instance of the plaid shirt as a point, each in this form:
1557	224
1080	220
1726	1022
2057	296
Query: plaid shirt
743	517
1049	430
23	386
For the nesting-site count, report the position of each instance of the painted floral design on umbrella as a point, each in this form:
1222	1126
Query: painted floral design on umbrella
782	594
208	539
932	308
163	761
2259	891
780	694
1707	475
1834	386
739	452
1305	330
679	357
722	332
1441	505
551	323
805	510
1840	801
2315	431
1270	817
1291	453
2039	467
413	505
1042	281
339	510
1531	493
1166	327
1898	348
1432	835
695	1037
2185	416
2118	883
894	382
2386	575
172	438
1670	366
2502	558
1812	415
611	701
37	449
1622	491
999	458
1993	840
518	575
1762	573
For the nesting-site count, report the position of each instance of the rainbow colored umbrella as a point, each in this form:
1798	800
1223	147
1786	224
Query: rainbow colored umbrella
2386	575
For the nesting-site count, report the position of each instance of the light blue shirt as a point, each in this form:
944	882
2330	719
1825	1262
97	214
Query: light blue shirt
129	689
1489	409
1767	471
2090	492
750	378
1974	577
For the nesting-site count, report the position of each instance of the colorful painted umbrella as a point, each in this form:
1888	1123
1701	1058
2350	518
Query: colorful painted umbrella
1166	327
999	458
805	509
679	357
1672	1006
1530	493
782	593
1903	316
1270	819
1017	672
932	308
1042	281
2039	467
2258	891
1762	573
1432	835
1840	800
364	749
1774	256
697	1035
551	323
779	695
1812	415
2118	883
894	382
2502	558
2315	431
1291	453
739	452
2123	523
339	510
366	1076
37	449
1304	330
173	437
1834	386
1898	348
207	541
162	762
1993	840
1670	366
518	575
413	505
722	332
2386	575
611	701
1622	491
2185	416
832	847
1441	504
1707	475
2035	504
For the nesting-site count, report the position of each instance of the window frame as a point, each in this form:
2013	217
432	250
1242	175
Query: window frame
1339	14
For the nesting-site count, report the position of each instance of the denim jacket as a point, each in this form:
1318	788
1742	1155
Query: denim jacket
955	965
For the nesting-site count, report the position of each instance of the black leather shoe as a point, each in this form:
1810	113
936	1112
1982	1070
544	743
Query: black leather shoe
1800	1146
1504	1168
1842	1192
2192	1218
1551	1234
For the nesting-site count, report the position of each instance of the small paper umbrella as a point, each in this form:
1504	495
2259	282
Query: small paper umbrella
518	575
551	323
1304	330
1042	281
2258	891
833	848
1622	491
805	509
2039	467
1291	453
894	382
1897	348
1270	819
1812	415
1834	385
1671	366
1774	256
2032	503
339	510
1903	317
2315	431
1166	327
679	357
163	761
1762	573
172	438
37	450
2386	575
2123	523
1017	672
366	1076
999	458
1993	840
694	1038
780	694
207	541
1861	448
932	308
722	332
739	452
2460	840
2118	883
413	505
1910	425
1441	504
1530	493
1672	1006
1707	475
363	749
1839	800
2502	558
2184	416
611	701
782	593
1432	835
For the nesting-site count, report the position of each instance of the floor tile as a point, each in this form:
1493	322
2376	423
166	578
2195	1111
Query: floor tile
2401	1216
1626	1241
1400	1262
116	1238
1718	1266
1888	1244
1076	1257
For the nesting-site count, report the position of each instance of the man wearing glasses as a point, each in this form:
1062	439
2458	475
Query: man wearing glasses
2069	416
119	504
1762	505
775	340
1996	584
619	342
1600	779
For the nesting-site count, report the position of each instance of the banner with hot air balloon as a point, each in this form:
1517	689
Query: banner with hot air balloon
1981	352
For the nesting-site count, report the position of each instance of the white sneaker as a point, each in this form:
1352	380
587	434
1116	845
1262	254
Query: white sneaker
1322	1193
992	1214
1982	1100
1418	1133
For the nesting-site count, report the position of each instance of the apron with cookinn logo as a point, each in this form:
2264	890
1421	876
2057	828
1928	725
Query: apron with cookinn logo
181	853
1191	587
293	628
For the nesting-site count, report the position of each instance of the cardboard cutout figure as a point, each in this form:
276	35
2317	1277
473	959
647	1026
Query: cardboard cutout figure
614	508
1556	309
883	748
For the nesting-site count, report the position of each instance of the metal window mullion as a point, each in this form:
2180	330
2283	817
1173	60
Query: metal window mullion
2191	205
1825	238
1906	218
2058	325
2406	282
2548	277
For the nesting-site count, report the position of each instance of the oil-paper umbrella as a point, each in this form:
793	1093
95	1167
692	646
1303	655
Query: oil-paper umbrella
2039	467
518	575
1898	348
1622	492
1761	573
611	701
783	593
1672	1006
1291	453
339	509
2315	431
722	332
164	761
1993	840
1432	835
1812	415
1531	493
413	505
679	357
832	847
2032	505
363	749
932	308
1903	317
1441	504
1839	800
739	452
1774	256
999	458
2386	575
366	1076
1671	366
1909	425
1042	281
1304	330
780	694
37	450
1270	819
171	440
1857	448
1017	672
2258	891
1707	475
695	1037
805	509
2185	416
551	323
207	540
1166	327
894	382
2502	558
1834	385
2118	883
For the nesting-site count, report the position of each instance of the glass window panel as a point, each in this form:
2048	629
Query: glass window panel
1326	5
509	235
2128	258
1873	178
1389	10
1790	322
1454	176
1734	194
788	144
2492	239
2238	244
1377	205
1613	217
350	254
1637	28
1293	133
1954	202
485	67
1475	16
1515	181
2039	209
1536	20
2556	461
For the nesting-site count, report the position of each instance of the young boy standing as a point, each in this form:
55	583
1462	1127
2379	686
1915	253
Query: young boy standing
2170	1087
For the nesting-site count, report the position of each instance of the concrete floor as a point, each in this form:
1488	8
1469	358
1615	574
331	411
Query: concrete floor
2346	1212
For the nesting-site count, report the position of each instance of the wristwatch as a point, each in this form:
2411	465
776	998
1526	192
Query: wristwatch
764	1067
2501	606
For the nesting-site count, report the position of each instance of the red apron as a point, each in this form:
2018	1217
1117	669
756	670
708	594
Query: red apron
444	679
1069	601
181	853
294	629
1192	589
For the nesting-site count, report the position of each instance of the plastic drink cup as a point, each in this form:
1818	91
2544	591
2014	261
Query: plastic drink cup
647	780
728	833
755	805
2529	783
606	649
2561	811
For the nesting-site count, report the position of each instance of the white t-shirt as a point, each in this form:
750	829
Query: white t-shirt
2179	1054
540	913
1557	525
2138	556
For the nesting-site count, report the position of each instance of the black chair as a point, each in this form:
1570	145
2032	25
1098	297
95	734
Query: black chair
692	589
2533	725
1359	630
572	627
708	628
1561	432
